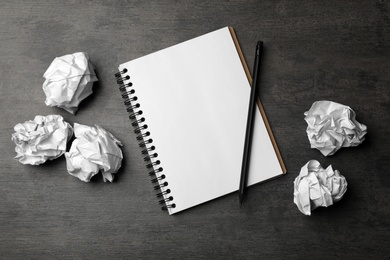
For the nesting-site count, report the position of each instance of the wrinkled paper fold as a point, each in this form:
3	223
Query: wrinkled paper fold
69	80
318	187
332	126
41	139
94	149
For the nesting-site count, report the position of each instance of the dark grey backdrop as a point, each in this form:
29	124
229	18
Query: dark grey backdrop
314	50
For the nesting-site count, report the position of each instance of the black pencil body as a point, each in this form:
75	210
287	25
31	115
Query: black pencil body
250	123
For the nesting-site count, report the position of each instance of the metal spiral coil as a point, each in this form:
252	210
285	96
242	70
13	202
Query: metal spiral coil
147	150
162	177
154	172
143	136
158	187
161	194
150	165
150	157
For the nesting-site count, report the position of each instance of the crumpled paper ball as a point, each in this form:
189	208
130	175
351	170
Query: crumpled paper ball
318	187
331	126
93	149
69	80
41	139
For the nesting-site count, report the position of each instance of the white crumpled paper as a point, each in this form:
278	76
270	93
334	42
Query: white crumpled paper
69	80
318	187
41	139
332	126
93	149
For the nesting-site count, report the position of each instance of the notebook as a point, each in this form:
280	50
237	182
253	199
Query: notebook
189	104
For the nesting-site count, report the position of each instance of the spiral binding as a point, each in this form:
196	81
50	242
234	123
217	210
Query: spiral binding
145	142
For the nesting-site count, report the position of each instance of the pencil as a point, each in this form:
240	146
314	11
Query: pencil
249	125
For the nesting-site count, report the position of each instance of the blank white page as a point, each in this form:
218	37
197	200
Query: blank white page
195	98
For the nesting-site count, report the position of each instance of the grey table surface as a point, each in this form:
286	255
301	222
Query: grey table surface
314	50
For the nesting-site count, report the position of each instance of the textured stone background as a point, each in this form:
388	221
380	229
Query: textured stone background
314	50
